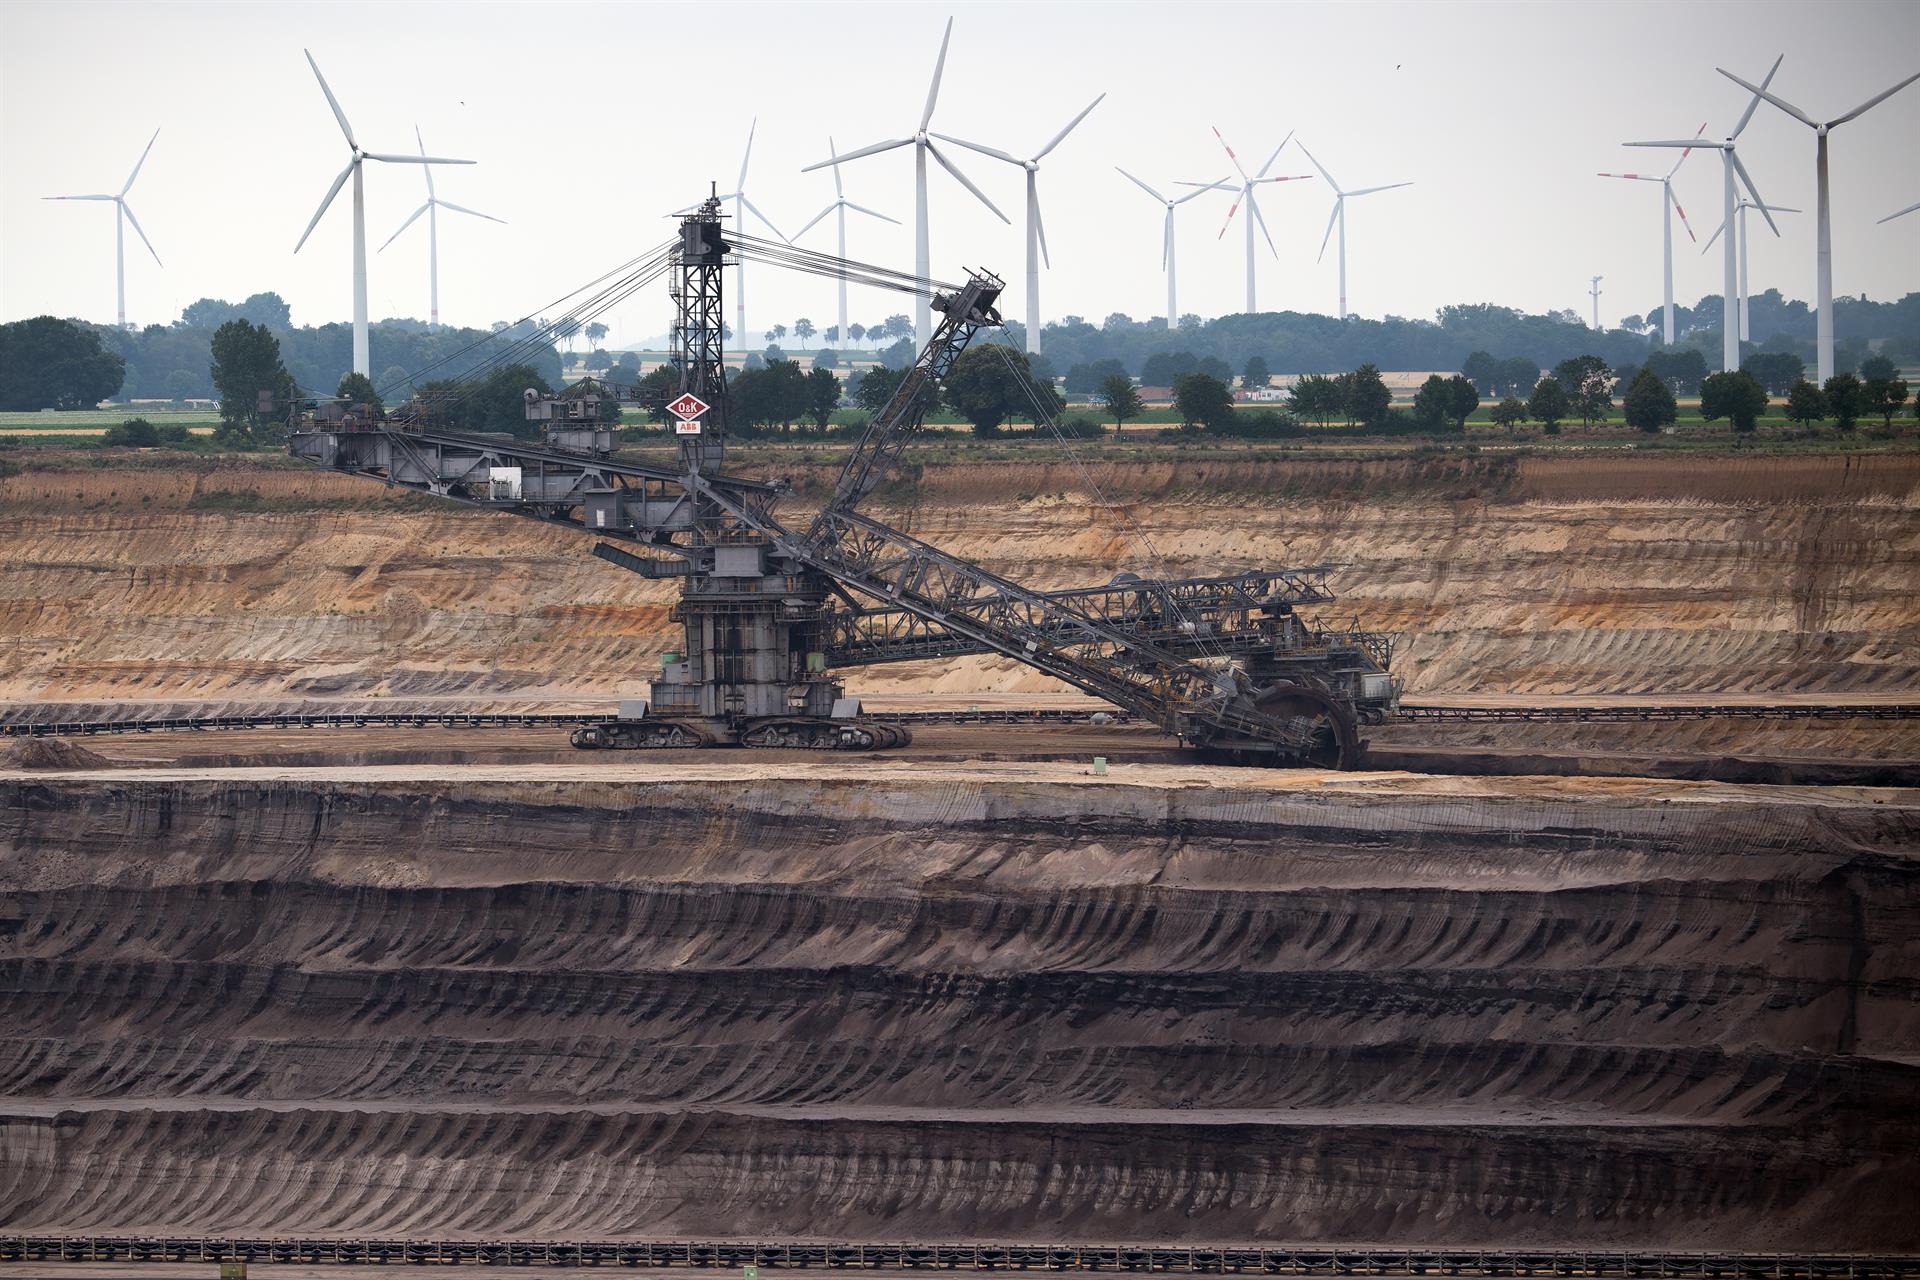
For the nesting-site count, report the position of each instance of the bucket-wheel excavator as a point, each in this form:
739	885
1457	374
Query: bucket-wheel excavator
769	610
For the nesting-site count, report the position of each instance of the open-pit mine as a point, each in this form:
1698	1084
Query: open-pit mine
495	988
805	948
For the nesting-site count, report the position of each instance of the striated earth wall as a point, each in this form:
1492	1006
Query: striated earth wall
1579	573
869	1000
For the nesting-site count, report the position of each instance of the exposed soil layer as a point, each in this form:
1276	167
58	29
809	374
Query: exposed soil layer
880	1000
1581	574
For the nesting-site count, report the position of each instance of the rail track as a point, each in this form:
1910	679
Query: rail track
1644	713
1292	1260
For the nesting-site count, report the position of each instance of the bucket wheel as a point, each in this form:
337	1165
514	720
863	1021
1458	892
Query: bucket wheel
1336	743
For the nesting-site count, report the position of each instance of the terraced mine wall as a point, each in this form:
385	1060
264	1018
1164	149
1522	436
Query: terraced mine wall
1580	573
874	1001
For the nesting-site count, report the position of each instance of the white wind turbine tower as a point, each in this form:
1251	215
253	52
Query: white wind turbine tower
432	209
122	214
922	144
1339	215
1166	239
1036	230
1669	205
1823	212
1740	230
739	197
1245	196
1729	165
839	208
360	360
1594	289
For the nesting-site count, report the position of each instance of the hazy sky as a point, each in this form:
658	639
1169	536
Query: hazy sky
590	122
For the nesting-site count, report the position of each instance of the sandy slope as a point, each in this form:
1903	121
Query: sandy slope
1589	574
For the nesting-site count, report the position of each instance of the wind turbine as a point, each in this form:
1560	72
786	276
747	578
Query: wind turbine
1823	213
1036	231
923	147
361	364
839	208
1594	289
1339	215
432	209
1729	164
1740	230
1166	239
1669	205
1245	196
739	197
1903	213
122	214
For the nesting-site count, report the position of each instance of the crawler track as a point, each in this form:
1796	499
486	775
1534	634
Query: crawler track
1289	1261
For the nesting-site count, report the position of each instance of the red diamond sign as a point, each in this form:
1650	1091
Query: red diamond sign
688	407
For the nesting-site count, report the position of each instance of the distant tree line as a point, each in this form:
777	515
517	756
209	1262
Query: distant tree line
1292	343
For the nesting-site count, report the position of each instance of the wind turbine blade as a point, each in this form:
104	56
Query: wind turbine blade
1682	142
763	217
1275	156
1748	113
1143	186
1781	208
411	218
875	149
1747	178
136	172
1636	177
1221	185
995	152
1785	106
816	218
460	208
1040	229
1319	166
1903	213
79	197
1330	221
1253	207
426	171
389	159
1060	137
871	213
939	69
126	209
967	182
1229	150
1684	154
747	155
1286	177
332	101
1367	191
1231	210
1874	101
838	194
1683	216
332	191
1166	239
1715	236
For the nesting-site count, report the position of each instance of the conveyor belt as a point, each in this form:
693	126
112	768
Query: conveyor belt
1290	1260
